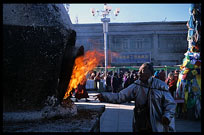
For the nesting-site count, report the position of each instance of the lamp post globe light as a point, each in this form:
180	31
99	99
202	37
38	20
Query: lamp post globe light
105	13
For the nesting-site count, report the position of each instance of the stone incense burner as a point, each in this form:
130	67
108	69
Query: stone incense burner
38	56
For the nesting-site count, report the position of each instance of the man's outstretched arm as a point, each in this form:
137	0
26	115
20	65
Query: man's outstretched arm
123	96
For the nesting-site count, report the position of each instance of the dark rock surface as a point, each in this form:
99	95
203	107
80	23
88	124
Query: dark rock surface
37	40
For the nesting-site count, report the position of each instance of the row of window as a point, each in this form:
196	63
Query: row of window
127	44
177	44
117	44
165	44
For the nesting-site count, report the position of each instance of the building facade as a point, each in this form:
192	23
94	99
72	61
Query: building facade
130	44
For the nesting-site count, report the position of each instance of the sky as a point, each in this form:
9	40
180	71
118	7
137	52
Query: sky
131	12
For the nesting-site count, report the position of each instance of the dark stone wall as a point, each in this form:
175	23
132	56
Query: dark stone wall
37	59
32	60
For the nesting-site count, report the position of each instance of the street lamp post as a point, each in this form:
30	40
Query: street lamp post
105	32
105	20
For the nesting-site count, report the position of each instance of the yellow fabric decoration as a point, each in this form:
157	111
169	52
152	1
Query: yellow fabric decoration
198	78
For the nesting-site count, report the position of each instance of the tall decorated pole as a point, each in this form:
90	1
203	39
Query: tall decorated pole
189	81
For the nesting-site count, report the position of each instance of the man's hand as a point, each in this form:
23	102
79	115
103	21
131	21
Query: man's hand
165	121
99	96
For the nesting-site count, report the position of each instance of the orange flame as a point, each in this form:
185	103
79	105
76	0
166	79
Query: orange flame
82	66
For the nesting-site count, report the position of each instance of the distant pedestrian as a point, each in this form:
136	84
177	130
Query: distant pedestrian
120	80
108	82
132	76
176	74
171	82
127	80
92	76
162	75
97	79
135	76
115	83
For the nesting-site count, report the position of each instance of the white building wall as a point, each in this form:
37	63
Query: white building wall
166	41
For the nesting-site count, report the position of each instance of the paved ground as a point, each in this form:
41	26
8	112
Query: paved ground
118	117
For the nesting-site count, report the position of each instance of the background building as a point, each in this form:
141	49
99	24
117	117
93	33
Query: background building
130	44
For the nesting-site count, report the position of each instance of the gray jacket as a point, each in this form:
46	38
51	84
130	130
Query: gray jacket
161	103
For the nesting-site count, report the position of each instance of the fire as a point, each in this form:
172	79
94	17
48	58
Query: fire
82	66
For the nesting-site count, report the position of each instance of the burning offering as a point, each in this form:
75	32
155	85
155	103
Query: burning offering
82	66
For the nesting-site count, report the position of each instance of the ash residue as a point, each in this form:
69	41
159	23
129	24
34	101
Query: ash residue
53	109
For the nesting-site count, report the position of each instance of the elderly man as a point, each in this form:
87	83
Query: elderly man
154	106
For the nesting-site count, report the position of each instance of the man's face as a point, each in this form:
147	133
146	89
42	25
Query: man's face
144	73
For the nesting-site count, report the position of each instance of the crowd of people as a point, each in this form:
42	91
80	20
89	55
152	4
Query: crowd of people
116	81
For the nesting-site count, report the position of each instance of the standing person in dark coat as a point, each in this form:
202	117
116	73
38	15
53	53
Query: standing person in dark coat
115	83
162	75
135	76
176	74
108	82
120	80
127	80
132	76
